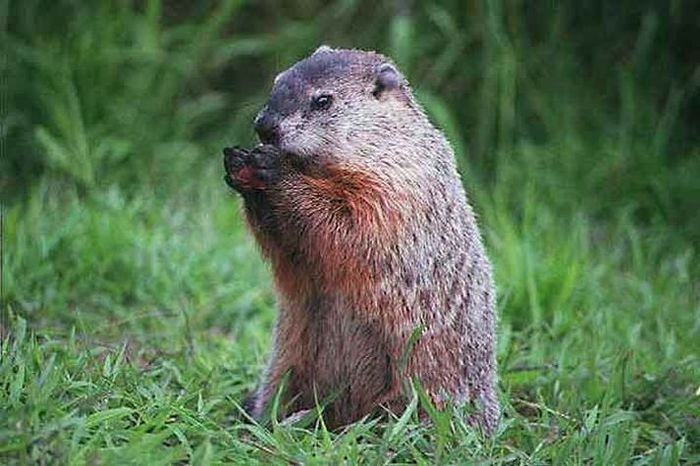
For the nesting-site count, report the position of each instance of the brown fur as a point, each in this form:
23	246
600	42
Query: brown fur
370	237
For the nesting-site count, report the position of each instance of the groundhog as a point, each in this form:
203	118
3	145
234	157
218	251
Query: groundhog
379	267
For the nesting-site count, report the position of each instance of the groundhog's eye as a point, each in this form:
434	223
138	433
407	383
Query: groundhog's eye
321	102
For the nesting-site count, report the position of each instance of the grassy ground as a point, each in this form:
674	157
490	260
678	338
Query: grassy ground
137	309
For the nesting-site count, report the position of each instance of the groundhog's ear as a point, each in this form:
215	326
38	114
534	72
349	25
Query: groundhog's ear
387	78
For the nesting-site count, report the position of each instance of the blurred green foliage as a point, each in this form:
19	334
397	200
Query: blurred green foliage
140	311
127	92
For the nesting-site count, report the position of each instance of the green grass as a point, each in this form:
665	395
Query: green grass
138	313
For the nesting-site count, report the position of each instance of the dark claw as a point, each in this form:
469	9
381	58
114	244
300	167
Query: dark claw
230	151
234	158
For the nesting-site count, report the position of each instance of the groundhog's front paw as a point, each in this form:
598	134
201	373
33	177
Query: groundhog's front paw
251	170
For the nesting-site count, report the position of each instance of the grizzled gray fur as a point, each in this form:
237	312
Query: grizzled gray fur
355	200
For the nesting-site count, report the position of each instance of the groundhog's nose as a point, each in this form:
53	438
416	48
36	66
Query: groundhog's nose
267	128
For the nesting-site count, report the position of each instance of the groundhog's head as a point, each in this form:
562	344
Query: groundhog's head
345	104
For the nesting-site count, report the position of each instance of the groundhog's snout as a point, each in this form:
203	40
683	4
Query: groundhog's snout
267	127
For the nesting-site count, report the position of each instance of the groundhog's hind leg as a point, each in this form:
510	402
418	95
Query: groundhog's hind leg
258	402
249	403
289	356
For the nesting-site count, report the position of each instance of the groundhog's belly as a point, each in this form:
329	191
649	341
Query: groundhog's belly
350	367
